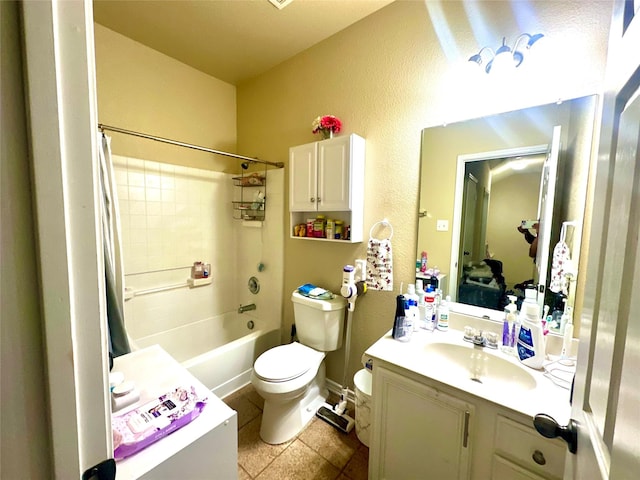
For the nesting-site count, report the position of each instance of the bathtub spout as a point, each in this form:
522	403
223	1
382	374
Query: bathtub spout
246	308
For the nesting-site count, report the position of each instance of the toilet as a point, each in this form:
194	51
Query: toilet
291	378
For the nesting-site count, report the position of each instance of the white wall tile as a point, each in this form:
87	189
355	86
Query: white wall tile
173	216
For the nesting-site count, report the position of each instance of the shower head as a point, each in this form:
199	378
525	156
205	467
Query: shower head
245	165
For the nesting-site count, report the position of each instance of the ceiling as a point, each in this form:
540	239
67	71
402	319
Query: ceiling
232	40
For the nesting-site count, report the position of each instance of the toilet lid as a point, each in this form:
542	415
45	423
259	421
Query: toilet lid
284	362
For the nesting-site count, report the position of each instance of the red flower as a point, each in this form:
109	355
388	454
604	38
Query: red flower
327	122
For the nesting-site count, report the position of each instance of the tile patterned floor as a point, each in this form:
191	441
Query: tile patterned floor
319	452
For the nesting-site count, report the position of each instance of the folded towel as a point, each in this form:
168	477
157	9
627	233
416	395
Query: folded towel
311	291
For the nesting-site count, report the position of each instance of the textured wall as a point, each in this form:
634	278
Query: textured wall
143	90
389	76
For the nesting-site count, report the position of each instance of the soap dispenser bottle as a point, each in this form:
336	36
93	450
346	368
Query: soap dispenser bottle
530	344
509	325
401	330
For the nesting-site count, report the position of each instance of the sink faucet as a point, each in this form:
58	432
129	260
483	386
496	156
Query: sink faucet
246	308
479	340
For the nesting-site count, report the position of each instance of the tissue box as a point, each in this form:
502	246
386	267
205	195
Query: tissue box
139	428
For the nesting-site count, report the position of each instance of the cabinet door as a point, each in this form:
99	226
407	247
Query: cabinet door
418	431
334	174
303	178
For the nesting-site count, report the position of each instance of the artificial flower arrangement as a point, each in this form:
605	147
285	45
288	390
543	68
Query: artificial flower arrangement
327	125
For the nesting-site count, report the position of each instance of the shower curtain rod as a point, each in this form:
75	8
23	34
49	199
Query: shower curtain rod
103	127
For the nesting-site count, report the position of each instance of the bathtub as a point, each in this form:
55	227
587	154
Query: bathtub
218	351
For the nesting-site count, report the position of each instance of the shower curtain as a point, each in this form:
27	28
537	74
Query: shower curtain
112	246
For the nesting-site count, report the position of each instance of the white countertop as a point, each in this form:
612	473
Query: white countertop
155	372
544	397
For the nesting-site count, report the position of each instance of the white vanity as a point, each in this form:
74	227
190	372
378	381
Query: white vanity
446	409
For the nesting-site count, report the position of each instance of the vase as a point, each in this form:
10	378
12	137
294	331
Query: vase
327	133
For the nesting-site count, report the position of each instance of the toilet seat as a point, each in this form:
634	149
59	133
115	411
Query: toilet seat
286	362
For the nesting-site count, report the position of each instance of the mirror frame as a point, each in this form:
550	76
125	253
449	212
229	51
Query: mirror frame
458	200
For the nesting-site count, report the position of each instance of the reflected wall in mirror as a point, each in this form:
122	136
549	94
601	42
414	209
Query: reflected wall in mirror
451	153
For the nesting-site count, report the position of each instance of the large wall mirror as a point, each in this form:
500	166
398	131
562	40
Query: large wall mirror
486	176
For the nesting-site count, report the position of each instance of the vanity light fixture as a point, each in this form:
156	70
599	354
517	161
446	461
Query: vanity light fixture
505	57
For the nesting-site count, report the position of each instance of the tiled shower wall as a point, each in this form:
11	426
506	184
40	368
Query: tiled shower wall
172	216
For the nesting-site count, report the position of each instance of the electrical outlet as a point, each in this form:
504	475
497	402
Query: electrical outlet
442	225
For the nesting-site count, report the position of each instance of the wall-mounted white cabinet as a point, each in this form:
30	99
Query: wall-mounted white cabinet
327	177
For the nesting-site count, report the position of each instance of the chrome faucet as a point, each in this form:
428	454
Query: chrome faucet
479	340
246	308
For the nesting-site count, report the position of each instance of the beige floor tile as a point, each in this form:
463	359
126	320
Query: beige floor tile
333	445
358	466
299	462
247	410
242	474
255	398
254	454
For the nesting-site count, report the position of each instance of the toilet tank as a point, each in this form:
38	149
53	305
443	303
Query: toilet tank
319	323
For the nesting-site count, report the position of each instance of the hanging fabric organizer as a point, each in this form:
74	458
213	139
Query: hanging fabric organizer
380	259
561	264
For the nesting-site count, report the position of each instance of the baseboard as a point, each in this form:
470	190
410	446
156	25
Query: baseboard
336	388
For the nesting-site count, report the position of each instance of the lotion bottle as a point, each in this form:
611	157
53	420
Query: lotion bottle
530	345
411	307
443	314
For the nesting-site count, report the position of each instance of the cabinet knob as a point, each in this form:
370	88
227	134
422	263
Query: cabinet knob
318	199
312	199
538	457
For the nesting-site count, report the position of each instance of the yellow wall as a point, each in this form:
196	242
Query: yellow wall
143	90
513	199
387	77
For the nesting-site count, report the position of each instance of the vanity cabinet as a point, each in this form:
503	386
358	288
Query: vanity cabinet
419	432
422	428
327	177
520	452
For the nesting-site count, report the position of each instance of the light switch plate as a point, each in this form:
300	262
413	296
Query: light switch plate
442	225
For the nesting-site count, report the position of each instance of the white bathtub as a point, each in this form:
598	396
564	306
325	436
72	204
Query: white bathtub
219	351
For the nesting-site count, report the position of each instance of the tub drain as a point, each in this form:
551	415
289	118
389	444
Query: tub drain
250	325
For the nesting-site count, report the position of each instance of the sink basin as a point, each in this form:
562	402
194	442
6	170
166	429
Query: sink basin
479	365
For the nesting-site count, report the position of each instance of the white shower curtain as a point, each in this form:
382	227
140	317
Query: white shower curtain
112	244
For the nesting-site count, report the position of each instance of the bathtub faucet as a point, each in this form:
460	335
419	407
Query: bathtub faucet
246	308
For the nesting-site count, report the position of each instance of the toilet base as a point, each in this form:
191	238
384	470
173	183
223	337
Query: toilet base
283	421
